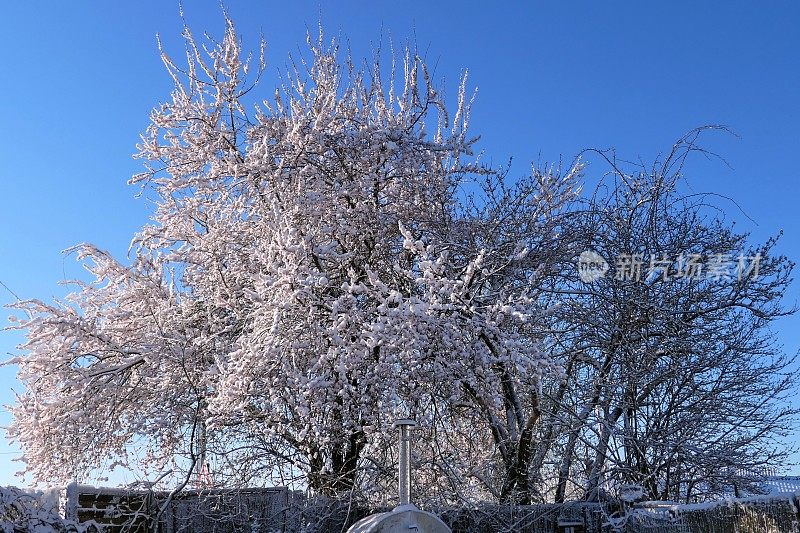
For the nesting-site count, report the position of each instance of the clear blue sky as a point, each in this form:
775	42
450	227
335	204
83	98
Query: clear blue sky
78	79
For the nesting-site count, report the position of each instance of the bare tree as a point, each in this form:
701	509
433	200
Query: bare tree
673	380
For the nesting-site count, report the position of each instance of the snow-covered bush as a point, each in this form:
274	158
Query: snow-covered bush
23	511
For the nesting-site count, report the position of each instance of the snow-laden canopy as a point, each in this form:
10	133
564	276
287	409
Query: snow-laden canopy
314	270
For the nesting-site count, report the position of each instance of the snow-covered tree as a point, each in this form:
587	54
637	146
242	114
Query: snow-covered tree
314	270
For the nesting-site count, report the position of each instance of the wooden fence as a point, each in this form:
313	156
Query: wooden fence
276	510
116	510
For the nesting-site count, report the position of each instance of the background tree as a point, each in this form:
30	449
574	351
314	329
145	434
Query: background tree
672	377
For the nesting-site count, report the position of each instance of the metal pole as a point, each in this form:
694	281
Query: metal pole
404	473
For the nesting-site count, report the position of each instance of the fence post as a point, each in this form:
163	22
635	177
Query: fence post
71	505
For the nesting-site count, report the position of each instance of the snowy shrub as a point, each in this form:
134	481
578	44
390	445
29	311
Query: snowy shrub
24	511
